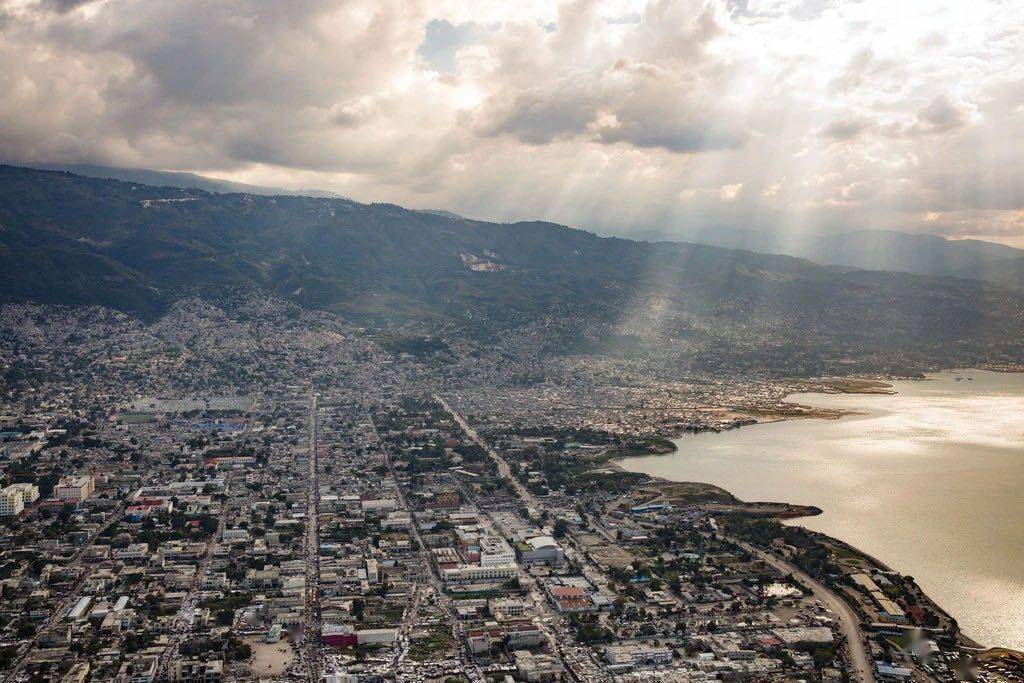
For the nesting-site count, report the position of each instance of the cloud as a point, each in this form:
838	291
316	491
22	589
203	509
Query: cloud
615	115
845	129
63	6
638	104
696	132
941	115
863	69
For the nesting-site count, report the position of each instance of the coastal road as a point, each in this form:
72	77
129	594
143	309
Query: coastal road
861	668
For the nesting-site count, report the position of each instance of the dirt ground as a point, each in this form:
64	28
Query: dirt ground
269	660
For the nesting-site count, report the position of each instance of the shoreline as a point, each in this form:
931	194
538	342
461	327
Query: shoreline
790	512
779	510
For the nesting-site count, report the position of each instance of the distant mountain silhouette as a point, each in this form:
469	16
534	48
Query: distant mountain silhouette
876	250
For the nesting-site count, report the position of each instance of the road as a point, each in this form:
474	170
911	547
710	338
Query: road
184	621
861	668
503	468
312	642
577	660
472	669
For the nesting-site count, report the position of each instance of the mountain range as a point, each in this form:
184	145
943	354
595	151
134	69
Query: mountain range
875	250
864	249
70	239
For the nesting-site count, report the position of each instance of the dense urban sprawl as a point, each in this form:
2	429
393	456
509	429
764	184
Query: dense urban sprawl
256	492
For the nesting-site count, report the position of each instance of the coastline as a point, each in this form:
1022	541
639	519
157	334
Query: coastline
790	512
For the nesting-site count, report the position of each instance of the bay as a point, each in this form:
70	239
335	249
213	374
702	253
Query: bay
929	480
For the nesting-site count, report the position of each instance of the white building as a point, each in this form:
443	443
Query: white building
29	492
468	573
504	609
379	505
233	535
376	636
537	667
135	551
494	552
12	502
372	570
75	489
637	655
541	550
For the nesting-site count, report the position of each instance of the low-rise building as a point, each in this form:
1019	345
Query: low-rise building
469	573
538	667
637	655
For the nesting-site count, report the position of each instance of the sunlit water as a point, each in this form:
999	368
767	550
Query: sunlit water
930	481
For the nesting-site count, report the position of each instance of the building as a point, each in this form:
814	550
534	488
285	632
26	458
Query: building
379	505
804	635
12	501
74	489
541	550
446	499
194	671
235	535
505	609
537	667
79	673
891	672
338	635
494	552
372	570
377	636
78	611
637	655
29	492
446	558
515	636
133	552
469	573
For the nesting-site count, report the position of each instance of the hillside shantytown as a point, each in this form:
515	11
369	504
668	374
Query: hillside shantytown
251	491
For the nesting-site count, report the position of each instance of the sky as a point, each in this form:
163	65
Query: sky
619	116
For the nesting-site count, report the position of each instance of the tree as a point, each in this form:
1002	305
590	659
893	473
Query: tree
560	528
358	609
25	629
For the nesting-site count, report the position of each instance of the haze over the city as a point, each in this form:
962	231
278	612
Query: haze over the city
623	117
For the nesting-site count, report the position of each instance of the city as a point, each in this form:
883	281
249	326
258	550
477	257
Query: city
582	341
347	512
